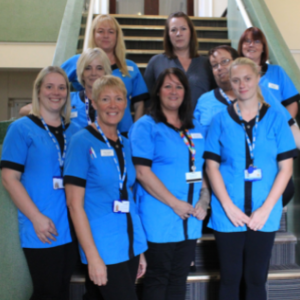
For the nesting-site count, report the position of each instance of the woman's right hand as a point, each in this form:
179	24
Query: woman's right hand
97	272
236	216
183	209
44	228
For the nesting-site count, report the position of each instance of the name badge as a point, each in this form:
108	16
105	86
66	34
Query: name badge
273	86
107	152
196	136
129	68
192	177
74	114
253	174
58	183
121	206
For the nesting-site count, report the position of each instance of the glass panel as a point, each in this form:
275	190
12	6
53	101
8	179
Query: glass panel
131	7
167	7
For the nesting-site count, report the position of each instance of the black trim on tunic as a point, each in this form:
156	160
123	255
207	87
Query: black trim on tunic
291	121
249	126
212	156
141	97
11	165
221	98
92	111
141	161
291	100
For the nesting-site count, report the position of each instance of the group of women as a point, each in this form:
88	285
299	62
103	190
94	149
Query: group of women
137	193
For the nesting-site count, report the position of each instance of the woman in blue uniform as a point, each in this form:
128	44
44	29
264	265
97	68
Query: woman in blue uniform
99	176
181	51
167	148
247	179
106	34
209	104
92	64
32	161
253	44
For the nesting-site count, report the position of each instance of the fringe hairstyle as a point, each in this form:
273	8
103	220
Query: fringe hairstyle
87	57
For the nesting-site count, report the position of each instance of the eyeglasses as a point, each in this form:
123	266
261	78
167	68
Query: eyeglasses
223	63
256	42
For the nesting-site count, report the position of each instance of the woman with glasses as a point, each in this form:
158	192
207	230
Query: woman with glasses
181	51
253	45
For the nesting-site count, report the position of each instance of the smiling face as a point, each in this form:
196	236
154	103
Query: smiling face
92	71
220	62
179	33
105	36
171	93
252	49
110	106
53	93
244	82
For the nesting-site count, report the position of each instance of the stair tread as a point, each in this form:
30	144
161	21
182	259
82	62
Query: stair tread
161	17
157	27
281	237
150	39
155	51
204	275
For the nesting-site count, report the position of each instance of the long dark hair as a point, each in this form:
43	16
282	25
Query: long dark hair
185	110
193	45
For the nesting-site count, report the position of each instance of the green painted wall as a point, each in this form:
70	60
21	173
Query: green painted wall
30	20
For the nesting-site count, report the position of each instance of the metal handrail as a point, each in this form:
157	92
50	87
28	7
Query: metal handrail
88	24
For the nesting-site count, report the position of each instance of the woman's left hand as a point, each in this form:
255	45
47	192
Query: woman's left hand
142	266
199	213
258	218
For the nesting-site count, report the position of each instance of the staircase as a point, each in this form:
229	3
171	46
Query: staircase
144	38
144	35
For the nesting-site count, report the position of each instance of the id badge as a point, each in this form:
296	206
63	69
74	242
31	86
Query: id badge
253	174
192	177
107	152
121	206
74	114
58	183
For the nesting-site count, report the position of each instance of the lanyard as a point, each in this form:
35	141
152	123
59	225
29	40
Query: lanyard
61	159
121	178
225	96
251	146
87	108
190	145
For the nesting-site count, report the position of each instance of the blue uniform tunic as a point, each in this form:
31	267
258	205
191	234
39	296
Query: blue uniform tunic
134	83
279	83
159	146
118	237
78	113
213	102
226	144
28	149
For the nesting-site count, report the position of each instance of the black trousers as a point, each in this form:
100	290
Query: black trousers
244	254
120	285
51	270
168	265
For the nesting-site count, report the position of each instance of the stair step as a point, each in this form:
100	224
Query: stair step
283	252
161	20
152	30
281	284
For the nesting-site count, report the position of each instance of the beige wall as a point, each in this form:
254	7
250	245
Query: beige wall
287	17
16	84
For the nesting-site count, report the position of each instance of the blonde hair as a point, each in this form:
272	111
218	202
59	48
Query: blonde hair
243	61
108	81
66	109
87	57
120	49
